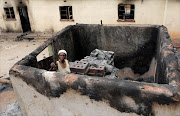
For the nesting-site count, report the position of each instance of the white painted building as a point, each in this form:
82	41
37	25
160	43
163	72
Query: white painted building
53	15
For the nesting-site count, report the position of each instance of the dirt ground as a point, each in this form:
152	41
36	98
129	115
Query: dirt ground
10	52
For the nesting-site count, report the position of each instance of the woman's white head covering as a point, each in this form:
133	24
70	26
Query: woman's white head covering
62	51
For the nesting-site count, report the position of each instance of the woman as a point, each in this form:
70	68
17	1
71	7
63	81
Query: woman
62	63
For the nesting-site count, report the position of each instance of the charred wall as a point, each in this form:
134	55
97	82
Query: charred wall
65	41
122	95
167	70
133	46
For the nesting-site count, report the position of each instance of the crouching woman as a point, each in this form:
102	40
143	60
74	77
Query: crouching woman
62	65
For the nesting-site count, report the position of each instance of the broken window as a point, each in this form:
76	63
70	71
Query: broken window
126	12
9	13
66	12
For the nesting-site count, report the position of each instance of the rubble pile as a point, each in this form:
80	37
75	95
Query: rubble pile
8	102
101	63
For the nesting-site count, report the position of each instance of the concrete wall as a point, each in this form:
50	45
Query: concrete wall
130	44
172	18
73	103
45	17
43	92
11	25
70	103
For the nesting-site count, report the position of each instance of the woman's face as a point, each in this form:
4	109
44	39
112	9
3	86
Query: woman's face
62	56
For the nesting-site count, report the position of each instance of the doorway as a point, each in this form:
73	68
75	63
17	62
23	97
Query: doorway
24	18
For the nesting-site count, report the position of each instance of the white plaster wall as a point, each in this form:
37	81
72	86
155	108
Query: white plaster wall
2	25
172	20
166	110
44	15
9	25
71	103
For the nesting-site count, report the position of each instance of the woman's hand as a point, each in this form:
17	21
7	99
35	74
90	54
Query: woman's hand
53	65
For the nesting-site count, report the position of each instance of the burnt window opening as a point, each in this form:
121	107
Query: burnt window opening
126	11
9	11
66	12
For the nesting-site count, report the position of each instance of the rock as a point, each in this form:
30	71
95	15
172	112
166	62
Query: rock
102	58
12	110
114	74
126	72
5	87
8	102
94	53
109	68
102	55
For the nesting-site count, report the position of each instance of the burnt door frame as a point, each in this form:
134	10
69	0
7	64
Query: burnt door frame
23	14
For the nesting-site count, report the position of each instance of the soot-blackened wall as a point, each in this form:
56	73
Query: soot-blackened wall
122	95
133	46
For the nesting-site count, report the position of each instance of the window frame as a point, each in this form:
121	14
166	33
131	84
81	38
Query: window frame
124	17
67	14
10	14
